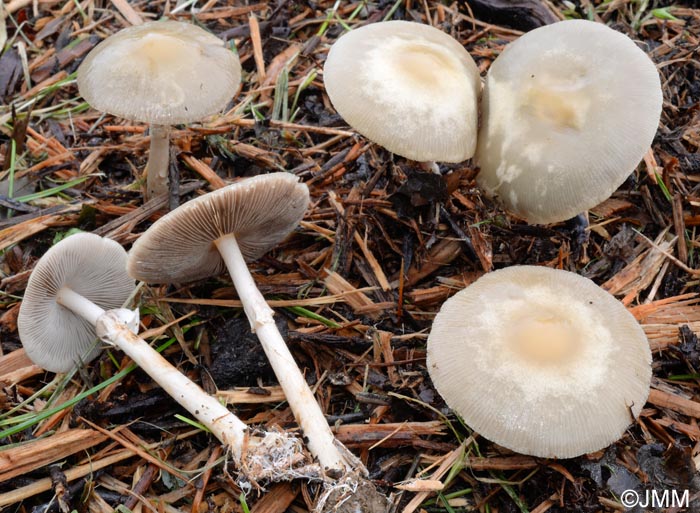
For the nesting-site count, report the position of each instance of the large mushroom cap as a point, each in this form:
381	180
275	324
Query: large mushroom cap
407	86
53	336
162	72
569	110
259	211
541	361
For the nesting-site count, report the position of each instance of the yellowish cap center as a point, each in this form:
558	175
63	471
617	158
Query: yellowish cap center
545	339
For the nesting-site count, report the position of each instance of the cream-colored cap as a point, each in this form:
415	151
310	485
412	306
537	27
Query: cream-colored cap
259	211
541	361
568	112
53	336
407	86
162	72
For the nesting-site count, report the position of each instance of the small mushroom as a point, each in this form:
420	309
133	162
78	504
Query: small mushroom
223	229
407	86
162	73
74	295
541	361
568	112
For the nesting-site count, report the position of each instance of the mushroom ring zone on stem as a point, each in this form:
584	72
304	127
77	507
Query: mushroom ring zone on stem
73	295
407	86
568	111
162	73
541	361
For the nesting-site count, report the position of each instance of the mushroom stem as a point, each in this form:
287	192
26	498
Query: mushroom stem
79	305
430	166
158	160
110	329
223	424
320	438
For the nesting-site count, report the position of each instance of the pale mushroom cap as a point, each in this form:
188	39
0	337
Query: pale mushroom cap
162	72
53	336
541	361
179	247
407	86
568	112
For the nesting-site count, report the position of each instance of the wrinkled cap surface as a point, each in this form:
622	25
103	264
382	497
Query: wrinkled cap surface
568	112
179	247
407	86
162	72
541	361
53	336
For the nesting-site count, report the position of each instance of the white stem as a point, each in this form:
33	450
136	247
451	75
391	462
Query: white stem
430	166
158	161
79	305
206	409
318	434
274	456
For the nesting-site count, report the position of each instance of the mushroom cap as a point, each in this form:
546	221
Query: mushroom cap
179	247
407	86
541	361
568	111
162	72
53	336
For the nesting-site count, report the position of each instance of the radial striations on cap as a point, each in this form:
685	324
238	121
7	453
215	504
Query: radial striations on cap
568	112
407	86
54	337
162	72
541	361
259	211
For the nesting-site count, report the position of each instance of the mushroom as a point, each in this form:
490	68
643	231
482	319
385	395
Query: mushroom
225	228
541	361
407	86
162	73
568	112
75	293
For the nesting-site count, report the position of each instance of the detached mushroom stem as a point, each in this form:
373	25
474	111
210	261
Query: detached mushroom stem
158	161
320	439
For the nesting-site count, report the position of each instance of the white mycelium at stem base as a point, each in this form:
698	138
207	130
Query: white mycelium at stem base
297	391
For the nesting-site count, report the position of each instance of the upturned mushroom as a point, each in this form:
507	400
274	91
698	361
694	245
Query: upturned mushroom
541	361
568	112
407	86
75	294
162	73
223	229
